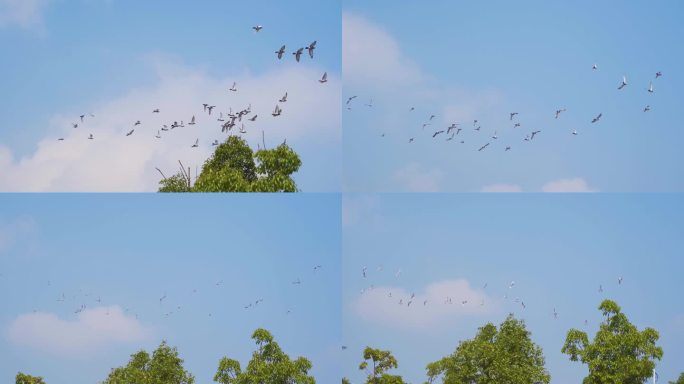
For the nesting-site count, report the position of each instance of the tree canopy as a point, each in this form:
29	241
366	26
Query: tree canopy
28	379
164	367
504	355
680	380
379	362
235	167
269	365
620	353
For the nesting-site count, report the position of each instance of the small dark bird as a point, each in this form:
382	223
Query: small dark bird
311	48
130	132
280	52
534	133
437	133
483	147
597	118
257	28
513	114
155	111
298	54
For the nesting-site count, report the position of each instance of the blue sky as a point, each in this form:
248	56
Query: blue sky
559	250
482	60
130	250
119	59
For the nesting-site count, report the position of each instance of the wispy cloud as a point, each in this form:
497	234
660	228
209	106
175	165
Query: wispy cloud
501	188
92	331
26	14
114	162
567	185
371	56
429	308
414	178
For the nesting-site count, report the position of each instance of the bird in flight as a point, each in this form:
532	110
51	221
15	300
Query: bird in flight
594	67
253	118
349	100
158	135
215	143
74	125
507	148
559	111
411	140
658	74
534	133
196	144
437	133
650	87
280	52
298	54
647	108
574	132
623	83
276	111
452	126
284	98
311	48
495	136
297	282
483	147
233	88
136	123
324	79
597	118
513	114
155	111
257	28
90	137
60	139
620	280
130	132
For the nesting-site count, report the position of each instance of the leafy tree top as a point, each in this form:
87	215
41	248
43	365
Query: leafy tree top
680	380
503	355
619	353
234	167
28	379
164	367
376	363
269	365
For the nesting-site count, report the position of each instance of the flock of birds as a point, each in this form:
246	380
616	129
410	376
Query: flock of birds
408	300
82	299
228	120
484	141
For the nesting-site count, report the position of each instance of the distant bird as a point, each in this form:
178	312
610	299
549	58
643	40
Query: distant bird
317	267
452	126
555	314
158	136
411	140
284	98
130	132
363	272
534	133
277	111
483	147
257	28
60	139
233	88
597	118
600	289
594	67
658	74
196	144
324	79
650	87
215	143
437	133
620	280
574	132
495	136
559	111
344	347
192	121
432	117
74	125
82	116
349	100
155	111
162	298
311	48
205	107
280	52
412	109
516	125
298	54
511	285
507	149
370	104
623	83
297	282
136	123
523	304
90	137
647	108
210	108
513	114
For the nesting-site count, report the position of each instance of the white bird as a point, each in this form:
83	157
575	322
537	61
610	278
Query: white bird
324	79
233	88
650	87
511	285
595	67
196	144
624	82
276	111
574	132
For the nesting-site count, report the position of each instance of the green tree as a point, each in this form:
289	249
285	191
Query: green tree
28	379
164	367
620	353
345	381
504	355
680	380
234	167
269	365
382	361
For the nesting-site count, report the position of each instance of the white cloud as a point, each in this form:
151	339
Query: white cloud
502	188
26	14
415	179
370	55
377	306
114	162
567	185
13	231
93	330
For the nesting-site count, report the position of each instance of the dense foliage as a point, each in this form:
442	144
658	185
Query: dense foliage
234	167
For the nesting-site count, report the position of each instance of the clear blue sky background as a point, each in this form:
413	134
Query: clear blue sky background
132	249
537	57
557	248
87	52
